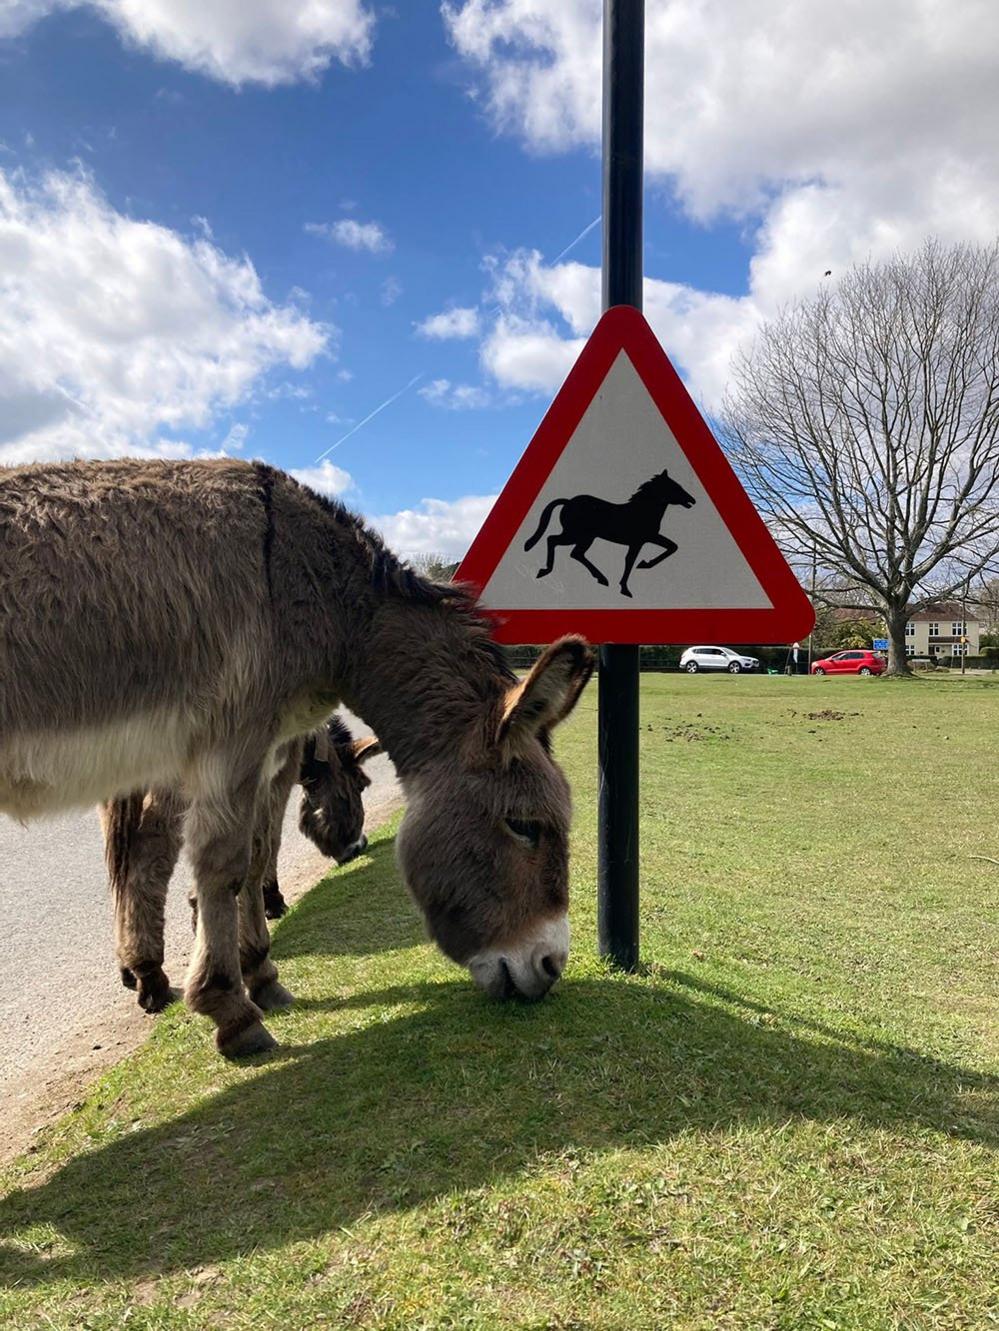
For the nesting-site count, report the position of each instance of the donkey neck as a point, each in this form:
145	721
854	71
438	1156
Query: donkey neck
424	680
418	668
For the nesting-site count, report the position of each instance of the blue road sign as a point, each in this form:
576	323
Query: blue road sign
880	644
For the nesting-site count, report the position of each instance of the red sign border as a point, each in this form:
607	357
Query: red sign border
623	328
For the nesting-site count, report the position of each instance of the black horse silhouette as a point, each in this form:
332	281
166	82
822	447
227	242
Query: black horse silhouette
585	519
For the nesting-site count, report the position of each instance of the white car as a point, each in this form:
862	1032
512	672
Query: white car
716	658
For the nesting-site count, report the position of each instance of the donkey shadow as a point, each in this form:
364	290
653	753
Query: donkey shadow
454	1093
341	916
585	519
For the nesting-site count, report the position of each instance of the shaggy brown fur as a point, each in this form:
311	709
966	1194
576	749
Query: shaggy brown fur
143	834
173	624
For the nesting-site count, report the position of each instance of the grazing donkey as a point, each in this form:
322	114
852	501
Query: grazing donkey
143	834
585	519
175	624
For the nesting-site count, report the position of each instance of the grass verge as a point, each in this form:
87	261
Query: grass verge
787	1119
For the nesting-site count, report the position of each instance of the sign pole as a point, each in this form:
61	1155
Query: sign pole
617	871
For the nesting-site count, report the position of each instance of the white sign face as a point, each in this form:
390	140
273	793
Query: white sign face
623	482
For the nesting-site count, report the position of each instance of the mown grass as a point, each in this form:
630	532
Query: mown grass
787	1119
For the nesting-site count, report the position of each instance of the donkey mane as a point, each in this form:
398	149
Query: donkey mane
337	731
391	576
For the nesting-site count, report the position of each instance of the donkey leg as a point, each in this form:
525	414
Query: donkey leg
143	838
579	554
219	836
669	548
259	972
280	791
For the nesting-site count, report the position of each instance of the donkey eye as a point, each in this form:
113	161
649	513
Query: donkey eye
528	832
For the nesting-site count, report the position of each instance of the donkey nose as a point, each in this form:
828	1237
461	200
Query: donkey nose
355	848
549	965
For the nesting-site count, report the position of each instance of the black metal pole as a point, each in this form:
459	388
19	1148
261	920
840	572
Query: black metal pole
617	857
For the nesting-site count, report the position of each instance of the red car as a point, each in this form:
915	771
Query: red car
850	663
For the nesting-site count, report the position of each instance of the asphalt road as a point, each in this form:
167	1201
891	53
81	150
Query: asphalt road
63	1010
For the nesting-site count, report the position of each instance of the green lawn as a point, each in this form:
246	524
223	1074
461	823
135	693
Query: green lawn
788	1119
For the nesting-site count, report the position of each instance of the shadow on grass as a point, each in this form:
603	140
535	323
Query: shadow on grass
449	1093
343	916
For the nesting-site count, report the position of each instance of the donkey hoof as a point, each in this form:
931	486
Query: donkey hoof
625	592
128	978
252	1039
154	992
271	997
274	905
543	572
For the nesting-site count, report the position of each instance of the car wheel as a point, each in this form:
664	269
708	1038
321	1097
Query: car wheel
818	671
691	667
734	668
865	670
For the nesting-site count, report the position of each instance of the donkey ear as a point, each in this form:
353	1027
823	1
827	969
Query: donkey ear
363	749
549	693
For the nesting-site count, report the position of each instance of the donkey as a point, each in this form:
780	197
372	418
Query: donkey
143	834
585	519
175	624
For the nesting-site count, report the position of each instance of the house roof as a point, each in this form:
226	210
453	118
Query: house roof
945	610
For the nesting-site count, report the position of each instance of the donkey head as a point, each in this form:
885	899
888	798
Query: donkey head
331	814
484	843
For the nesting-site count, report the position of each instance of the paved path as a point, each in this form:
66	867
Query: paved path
63	1011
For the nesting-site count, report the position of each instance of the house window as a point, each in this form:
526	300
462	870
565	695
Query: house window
910	649
910	629
957	628
934	630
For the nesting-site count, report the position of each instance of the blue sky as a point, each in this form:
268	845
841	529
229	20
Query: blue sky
219	231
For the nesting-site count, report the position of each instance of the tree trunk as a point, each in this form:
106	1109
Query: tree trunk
896	618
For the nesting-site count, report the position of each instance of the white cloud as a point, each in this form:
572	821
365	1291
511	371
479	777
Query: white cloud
544	314
114	331
458	322
325	478
235	41
435	526
235	439
353	235
835	142
454	397
391	290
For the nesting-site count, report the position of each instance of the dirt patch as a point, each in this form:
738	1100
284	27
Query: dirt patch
827	714
689	733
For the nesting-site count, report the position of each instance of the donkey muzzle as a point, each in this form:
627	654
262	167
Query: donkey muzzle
527	969
355	848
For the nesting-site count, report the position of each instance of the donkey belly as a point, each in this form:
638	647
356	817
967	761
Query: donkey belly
46	772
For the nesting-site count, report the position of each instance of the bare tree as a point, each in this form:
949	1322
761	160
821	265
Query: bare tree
865	424
987	600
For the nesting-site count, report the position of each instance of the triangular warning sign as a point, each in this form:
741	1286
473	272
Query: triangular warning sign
624	521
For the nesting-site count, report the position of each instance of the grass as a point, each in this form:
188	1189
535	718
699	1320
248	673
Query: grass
787	1119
